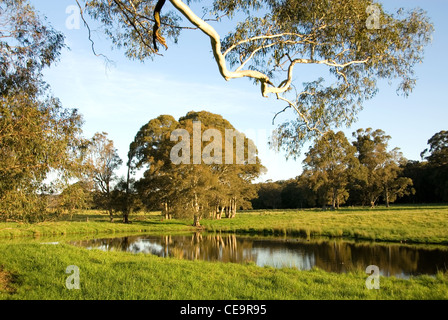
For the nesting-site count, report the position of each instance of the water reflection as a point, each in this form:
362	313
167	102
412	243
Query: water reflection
333	256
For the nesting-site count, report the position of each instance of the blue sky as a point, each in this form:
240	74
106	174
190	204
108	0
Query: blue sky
120	98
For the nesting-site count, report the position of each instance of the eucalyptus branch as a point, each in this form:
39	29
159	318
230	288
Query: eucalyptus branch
278	113
129	22
243	63
260	38
216	47
301	115
139	15
90	34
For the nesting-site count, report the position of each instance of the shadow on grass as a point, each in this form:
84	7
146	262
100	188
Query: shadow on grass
140	218
8	282
81	217
164	223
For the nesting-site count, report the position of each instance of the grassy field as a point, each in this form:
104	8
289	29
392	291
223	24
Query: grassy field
425	224
36	271
32	270
91	223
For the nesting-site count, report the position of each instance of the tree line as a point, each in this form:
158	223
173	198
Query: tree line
211	188
48	168
362	172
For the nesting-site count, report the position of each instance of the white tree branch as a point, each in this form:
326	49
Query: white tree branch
302	116
266	85
253	54
261	38
216	47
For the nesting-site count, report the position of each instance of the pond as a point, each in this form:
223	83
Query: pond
338	256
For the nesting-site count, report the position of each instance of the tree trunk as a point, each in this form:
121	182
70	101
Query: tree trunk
387	199
372	202
220	213
196	212
127	208
196	222
233	212
126	217
216	214
166	211
109	202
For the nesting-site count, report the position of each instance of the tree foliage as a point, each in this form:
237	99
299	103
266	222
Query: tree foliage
437	153
100	161
27	46
431	175
330	163
361	172
271	38
37	135
77	196
380	169
190	188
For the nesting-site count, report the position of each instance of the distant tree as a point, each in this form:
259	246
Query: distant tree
419	173
77	196
100	162
437	165
37	135
291	195
231	160
330	163
356	40
437	154
296	194
268	195
379	174
125	198
394	185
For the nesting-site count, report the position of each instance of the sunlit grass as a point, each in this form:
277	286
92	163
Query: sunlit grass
39	273
32	270
92	222
418	224
427	224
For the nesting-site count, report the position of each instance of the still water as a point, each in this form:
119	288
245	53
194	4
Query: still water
330	255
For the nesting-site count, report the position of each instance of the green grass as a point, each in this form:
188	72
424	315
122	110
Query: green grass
92	223
32	270
37	271
425	224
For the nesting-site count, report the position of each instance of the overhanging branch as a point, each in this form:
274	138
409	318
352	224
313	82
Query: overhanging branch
267	86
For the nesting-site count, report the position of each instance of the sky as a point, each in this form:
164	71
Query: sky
121	97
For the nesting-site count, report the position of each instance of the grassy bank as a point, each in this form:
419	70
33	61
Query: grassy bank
37	271
32	270
92	223
425	224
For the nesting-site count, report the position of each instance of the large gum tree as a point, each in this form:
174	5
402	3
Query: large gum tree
217	182
357	41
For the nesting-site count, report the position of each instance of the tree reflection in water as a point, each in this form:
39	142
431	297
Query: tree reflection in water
333	256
